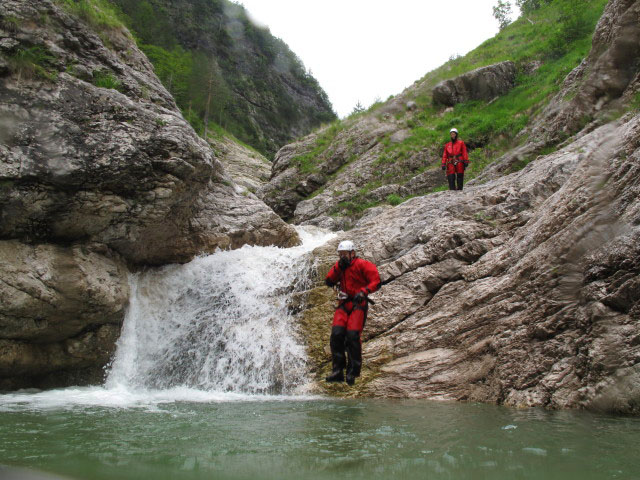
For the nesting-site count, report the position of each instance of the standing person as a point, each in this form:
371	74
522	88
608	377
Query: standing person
355	279
455	160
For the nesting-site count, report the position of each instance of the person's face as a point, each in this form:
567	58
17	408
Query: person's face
454	135
347	254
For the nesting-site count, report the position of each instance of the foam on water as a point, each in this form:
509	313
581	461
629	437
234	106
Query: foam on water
214	330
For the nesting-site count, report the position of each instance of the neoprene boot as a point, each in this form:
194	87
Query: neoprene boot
335	376
337	343
354	350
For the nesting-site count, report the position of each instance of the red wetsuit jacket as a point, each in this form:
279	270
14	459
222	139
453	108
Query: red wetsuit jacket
360	276
455	157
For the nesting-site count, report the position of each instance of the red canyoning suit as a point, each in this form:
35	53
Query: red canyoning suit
361	276
455	157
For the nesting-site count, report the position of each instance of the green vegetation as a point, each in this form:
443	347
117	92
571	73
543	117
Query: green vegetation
98	13
34	61
549	41
224	71
308	162
491	128
105	79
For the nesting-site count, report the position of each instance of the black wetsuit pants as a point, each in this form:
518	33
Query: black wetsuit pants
453	178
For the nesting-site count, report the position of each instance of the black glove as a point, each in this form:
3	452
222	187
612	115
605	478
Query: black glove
444	168
359	297
329	283
464	166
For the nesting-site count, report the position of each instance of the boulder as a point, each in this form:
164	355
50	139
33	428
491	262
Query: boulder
483	83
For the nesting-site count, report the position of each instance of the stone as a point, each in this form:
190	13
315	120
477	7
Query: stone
521	291
483	83
96	182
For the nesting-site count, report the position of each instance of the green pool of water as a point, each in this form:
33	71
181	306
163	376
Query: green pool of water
251	437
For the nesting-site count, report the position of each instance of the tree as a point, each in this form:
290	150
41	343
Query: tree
502	13
358	108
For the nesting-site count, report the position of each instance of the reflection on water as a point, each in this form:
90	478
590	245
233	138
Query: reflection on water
259	437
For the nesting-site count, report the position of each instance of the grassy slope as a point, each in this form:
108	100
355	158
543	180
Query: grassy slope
557	35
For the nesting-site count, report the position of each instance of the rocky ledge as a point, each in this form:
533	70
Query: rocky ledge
523	291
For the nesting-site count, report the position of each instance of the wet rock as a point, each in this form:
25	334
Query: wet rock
520	291
99	172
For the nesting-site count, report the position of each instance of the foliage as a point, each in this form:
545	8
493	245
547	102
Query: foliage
489	128
222	68
98	13
528	6
357	109
33	61
492	128
307	163
106	79
502	12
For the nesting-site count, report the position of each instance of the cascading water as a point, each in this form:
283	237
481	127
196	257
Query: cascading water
218	323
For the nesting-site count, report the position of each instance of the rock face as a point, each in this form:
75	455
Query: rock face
248	169
272	98
483	83
93	179
350	172
522	291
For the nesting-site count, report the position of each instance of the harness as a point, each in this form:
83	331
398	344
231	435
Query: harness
453	159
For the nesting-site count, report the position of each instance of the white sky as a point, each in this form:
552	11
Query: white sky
363	49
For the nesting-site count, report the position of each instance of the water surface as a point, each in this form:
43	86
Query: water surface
97	434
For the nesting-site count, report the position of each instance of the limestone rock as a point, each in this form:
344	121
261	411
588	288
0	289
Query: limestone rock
483	83
60	309
99	172
247	168
520	291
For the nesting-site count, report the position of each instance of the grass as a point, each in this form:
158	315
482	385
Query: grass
32	62
490	128
100	14
308	162
105	79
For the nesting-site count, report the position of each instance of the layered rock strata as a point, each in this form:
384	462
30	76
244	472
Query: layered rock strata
98	172
523	291
483	83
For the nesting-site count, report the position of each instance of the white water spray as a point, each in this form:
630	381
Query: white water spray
219	323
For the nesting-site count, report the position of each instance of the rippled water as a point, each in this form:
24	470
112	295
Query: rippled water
97	434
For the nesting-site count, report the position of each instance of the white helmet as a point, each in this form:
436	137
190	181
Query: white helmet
454	130
346	246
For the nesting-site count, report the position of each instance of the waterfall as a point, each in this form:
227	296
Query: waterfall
218	323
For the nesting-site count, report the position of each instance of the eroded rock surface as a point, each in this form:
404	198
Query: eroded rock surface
350	172
98	171
522	291
483	83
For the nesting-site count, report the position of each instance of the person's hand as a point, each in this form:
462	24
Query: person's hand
444	168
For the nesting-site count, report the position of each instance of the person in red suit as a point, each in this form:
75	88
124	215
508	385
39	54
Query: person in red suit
354	278
455	160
